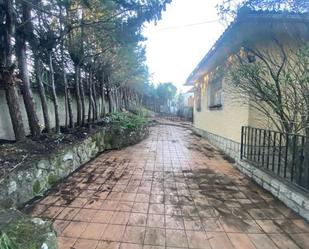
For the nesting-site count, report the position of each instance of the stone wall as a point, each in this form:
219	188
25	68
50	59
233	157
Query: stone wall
291	196
34	178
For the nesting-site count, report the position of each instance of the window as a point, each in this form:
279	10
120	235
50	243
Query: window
198	99
215	93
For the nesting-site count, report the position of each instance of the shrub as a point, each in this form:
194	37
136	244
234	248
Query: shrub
126	120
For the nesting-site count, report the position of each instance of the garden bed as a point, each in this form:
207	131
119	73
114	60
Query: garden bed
30	168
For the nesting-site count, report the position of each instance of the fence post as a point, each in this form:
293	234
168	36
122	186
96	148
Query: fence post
286	157
301	163
242	142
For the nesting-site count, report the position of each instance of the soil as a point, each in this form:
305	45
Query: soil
13	154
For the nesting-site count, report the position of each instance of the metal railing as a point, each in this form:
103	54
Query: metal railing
173	117
285	155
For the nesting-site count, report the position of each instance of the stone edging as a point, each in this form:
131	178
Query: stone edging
34	178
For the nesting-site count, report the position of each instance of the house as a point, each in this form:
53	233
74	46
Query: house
219	113
265	44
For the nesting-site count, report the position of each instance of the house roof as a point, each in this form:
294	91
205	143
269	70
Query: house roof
245	17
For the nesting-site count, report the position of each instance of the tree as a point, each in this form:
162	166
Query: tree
228	9
8	79
21	55
166	92
279	90
91	48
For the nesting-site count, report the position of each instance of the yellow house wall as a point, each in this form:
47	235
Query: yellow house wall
260	120
225	122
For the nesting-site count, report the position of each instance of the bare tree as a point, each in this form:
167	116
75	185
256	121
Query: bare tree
277	83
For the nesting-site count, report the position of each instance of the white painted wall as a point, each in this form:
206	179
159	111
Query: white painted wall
6	129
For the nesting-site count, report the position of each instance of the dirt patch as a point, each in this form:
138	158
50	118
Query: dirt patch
206	149
196	134
14	154
227	157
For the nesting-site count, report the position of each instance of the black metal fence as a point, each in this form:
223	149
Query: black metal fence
285	155
174	117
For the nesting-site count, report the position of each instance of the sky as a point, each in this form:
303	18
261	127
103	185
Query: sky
187	30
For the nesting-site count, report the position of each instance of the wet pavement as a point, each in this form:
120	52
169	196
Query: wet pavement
173	190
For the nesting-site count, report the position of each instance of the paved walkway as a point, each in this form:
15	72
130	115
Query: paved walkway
173	190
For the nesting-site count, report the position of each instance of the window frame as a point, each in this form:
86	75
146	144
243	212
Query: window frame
211	93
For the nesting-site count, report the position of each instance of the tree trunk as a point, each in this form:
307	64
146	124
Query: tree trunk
70	109
54	93
78	96
42	93
34	43
95	105
102	99
116	100
82	92
126	98
15	114
90	108
68	97
25	87
7	73
110	101
69	118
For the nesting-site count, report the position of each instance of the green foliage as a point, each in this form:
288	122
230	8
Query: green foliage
36	187
6	242
126	120
228	9
141	111
166	91
52	179
26	234
154	97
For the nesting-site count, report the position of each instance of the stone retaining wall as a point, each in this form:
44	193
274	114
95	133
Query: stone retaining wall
291	196
33	179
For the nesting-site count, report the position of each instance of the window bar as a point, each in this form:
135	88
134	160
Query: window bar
300	166
279	155
264	144
268	148
286	155
259	151
293	158
274	152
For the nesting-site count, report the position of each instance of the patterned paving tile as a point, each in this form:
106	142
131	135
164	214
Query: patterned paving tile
173	190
